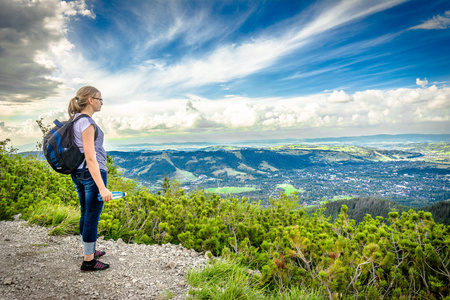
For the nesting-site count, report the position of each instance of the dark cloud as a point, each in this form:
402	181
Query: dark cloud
4	128
22	34
190	107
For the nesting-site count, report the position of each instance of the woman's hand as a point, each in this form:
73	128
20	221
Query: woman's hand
106	195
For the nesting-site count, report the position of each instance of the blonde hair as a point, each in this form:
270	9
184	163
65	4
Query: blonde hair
80	101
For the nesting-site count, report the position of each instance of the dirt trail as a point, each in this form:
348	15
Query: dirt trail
35	265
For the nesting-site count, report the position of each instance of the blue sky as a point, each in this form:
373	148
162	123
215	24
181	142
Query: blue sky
225	71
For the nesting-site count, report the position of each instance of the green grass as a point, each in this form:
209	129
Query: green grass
229	172
184	176
227	280
39	245
337	198
289	189
166	295
309	206
223	280
63	219
231	190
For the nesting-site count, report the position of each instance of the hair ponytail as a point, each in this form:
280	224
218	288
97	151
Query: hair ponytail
80	101
73	107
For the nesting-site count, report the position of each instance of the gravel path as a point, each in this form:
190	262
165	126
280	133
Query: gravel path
35	265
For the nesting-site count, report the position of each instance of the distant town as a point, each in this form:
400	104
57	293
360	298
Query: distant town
386	180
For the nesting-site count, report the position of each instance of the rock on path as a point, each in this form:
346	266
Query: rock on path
35	265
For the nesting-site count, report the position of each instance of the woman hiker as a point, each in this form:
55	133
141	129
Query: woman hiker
89	139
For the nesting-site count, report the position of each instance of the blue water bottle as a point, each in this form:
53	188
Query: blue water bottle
115	195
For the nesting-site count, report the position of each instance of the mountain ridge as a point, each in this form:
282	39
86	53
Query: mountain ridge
378	139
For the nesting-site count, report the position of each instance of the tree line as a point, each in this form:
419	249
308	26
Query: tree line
359	207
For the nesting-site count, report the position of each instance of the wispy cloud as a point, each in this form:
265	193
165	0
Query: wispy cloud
340	14
232	61
167	21
437	22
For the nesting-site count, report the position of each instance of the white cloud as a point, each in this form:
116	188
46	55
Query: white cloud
214	119
74	8
371	107
57	24
422	83
437	22
339	97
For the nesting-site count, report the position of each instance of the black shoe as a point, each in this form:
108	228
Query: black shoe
98	254
93	265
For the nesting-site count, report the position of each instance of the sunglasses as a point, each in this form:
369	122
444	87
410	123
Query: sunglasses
99	99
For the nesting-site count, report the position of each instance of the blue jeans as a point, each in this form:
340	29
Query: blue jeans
90	207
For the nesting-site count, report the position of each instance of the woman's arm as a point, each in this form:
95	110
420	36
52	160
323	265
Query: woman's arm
92	164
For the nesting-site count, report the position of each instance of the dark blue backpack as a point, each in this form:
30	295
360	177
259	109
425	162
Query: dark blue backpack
59	147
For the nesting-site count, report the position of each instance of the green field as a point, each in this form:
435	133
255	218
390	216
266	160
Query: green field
337	198
289	189
183	176
231	190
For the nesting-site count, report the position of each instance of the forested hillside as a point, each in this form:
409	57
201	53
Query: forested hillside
358	208
440	212
405	257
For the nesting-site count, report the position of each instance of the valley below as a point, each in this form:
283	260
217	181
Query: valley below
413	174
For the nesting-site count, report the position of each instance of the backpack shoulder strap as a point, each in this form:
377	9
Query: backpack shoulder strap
58	123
